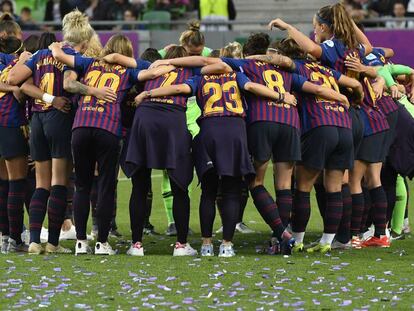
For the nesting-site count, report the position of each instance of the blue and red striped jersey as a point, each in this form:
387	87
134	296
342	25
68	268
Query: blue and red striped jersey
175	77
47	75
387	104
12	114
334	54
374	119
263	109
219	95
93	112
375	58
315	111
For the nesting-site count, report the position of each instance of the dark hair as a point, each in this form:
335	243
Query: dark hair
215	53
176	52
46	39
26	9
256	44
31	43
11	45
289	47
340	22
150	55
8	3
133	11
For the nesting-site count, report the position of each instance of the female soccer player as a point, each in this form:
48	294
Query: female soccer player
337	37
97	132
13	146
272	127
8	28
51	131
220	149
160	140
192	40
326	142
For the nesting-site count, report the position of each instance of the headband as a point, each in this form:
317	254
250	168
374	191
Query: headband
322	20
20	47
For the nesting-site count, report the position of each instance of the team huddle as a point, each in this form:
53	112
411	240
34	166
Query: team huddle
330	113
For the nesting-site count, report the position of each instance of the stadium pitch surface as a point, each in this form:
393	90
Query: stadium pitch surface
344	280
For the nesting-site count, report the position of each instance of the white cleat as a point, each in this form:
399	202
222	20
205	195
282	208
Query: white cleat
207	250
26	237
52	249
82	248
338	245
184	250
35	249
13	247
226	250
4	243
136	249
104	249
243	228
368	234
68	234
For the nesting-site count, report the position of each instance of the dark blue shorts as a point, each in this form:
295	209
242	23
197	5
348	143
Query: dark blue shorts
328	147
278	141
50	135
13	142
222	145
373	148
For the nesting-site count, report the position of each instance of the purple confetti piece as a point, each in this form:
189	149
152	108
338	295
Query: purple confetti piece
346	303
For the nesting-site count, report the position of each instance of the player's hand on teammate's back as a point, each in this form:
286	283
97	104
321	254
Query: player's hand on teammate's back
55	45
378	89
354	64
395	92
62	104
278	23
290	99
25	56
160	62
140	98
106	94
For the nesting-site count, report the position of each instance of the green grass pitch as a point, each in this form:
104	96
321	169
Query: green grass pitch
359	279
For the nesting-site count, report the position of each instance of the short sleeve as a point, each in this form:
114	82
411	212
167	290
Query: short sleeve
133	75
193	83
297	82
242	80
142	64
329	54
82	64
336	74
379	51
235	64
31	62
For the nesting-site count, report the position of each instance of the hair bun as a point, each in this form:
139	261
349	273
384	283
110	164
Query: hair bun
194	25
6	17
